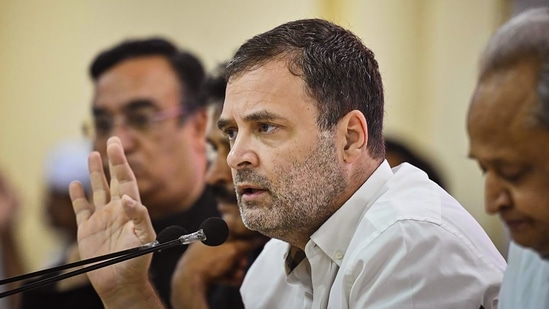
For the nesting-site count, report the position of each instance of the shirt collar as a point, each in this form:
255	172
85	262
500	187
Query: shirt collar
334	236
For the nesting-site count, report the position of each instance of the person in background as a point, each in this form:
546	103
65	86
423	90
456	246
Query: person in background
66	162
11	263
397	152
303	113
147	92
508	128
210	277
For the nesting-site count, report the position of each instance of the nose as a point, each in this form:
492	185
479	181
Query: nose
497	194
242	153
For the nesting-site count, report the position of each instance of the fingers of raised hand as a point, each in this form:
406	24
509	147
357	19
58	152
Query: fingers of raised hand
123	180
142	226
98	180
82	208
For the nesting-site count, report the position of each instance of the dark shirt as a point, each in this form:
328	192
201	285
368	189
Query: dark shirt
163	263
162	266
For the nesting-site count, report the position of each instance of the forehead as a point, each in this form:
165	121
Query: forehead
271	88
144	78
502	109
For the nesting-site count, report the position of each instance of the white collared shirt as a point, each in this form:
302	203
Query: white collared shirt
399	242
526	280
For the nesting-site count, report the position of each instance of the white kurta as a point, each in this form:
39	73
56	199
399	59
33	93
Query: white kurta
526	280
400	241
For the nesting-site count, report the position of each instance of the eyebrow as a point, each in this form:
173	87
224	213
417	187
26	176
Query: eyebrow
132	105
253	117
140	103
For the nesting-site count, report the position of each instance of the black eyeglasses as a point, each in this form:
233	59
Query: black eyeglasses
141	120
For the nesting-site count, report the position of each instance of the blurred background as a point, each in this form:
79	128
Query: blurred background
427	50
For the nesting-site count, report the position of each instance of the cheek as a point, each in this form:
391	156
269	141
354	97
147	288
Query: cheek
101	147
532	196
276	160
533	203
168	158
178	145
180	158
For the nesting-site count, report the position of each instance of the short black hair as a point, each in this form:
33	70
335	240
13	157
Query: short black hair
341	74
187	66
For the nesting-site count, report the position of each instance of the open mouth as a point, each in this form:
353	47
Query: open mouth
249	190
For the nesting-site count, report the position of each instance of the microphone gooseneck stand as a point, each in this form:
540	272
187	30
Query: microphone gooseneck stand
212	232
167	234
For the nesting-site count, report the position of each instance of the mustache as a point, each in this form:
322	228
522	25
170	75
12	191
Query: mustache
247	175
224	194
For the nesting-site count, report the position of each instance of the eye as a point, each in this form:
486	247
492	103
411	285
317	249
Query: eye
102	125
266	127
140	120
512	176
230	133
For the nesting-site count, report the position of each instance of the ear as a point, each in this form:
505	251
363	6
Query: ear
354	132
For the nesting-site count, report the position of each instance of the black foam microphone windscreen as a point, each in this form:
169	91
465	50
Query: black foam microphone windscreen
216	231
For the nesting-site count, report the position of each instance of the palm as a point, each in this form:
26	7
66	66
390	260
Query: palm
108	224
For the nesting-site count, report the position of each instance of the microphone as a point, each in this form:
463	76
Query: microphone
213	232
167	234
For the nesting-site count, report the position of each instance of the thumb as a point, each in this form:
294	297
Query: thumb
139	215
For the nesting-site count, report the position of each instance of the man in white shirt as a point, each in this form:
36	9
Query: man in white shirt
508	125
304	114
399	242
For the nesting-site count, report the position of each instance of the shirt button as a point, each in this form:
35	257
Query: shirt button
339	255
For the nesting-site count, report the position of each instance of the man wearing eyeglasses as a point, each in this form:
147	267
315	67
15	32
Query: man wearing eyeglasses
147	93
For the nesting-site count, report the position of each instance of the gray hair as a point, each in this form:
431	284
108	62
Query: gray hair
525	36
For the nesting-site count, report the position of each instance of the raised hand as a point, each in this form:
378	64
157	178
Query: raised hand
115	220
